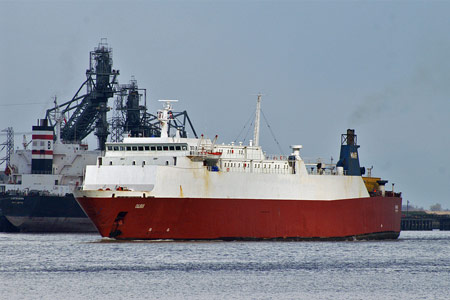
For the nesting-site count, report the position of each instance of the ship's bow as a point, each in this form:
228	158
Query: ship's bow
93	206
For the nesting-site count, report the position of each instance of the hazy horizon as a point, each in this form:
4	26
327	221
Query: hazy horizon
380	67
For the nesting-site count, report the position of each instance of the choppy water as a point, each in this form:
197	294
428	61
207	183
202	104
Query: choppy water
76	266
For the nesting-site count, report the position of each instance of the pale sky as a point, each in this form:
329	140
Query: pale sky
380	67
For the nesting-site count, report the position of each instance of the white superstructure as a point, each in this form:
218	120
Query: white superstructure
67	165
199	168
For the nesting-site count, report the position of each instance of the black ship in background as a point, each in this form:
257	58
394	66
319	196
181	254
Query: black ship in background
36	185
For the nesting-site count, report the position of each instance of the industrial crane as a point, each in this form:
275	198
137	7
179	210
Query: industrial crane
88	112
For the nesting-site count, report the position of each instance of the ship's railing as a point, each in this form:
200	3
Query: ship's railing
237	154
246	168
26	192
322	169
387	194
204	154
277	157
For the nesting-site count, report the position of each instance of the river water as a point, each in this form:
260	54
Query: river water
85	266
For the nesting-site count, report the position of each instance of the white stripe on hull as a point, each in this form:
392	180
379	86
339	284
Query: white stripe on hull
172	181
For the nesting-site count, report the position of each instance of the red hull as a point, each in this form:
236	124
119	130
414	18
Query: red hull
188	218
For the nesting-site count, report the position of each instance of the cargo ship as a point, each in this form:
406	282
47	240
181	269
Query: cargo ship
36	194
176	188
37	184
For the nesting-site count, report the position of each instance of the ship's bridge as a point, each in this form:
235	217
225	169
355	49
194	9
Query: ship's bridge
137	148
169	151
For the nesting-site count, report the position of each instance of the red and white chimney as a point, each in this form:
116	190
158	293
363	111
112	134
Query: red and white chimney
42	148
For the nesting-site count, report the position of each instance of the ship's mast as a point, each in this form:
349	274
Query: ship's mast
58	118
164	116
258	113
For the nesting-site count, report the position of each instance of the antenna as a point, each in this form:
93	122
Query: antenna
58	120
164	116
257	117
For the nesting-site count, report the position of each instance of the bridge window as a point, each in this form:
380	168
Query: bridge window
128	148
122	148
159	148
153	148
147	148
184	147
110	148
172	148
141	148
178	148
116	148
134	148
166	148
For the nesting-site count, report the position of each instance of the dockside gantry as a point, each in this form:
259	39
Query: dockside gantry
87	111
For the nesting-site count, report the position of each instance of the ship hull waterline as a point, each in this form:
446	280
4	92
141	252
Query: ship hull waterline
244	219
